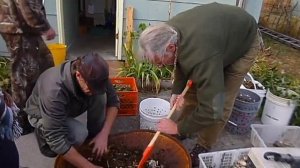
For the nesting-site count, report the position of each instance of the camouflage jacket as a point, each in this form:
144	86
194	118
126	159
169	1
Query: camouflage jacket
23	16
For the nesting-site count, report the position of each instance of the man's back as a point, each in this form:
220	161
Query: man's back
215	28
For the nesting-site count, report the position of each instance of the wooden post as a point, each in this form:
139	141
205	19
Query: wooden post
129	27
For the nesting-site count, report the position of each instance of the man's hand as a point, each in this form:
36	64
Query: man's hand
167	126
177	98
49	34
173	99
77	160
100	144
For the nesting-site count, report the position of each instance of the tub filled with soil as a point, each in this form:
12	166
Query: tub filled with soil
126	150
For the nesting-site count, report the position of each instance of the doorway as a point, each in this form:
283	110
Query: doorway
95	31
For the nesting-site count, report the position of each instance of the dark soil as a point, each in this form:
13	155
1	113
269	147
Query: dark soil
248	84
120	156
245	98
122	87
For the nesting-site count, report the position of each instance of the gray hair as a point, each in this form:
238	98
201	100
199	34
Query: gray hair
155	39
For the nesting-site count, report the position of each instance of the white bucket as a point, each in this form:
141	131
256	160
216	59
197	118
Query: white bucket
261	92
277	110
151	111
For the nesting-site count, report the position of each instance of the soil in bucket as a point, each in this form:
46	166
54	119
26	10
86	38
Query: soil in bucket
126	149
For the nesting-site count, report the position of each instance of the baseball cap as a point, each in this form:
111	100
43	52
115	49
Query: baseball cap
94	70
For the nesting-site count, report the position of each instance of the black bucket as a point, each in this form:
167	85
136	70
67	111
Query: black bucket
244	111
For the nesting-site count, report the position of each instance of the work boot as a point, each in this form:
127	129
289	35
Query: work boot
43	146
195	152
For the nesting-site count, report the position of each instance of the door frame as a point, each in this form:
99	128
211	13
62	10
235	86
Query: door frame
60	22
119	29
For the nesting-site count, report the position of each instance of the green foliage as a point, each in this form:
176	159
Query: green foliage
146	74
280	84
5	82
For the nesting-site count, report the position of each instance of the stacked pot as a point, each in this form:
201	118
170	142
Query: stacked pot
246	106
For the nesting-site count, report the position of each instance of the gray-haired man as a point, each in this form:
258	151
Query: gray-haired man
213	45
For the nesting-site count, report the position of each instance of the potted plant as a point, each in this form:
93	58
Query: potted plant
282	96
147	75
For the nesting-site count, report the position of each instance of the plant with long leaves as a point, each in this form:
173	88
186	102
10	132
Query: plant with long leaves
145	73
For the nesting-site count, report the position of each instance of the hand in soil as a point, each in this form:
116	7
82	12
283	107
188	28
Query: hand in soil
120	156
100	144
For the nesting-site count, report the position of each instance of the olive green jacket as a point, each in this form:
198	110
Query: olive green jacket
211	37
23	16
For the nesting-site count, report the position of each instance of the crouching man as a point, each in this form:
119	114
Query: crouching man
67	91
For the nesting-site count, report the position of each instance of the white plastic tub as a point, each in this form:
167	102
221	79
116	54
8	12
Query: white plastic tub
224	159
267	135
151	111
277	110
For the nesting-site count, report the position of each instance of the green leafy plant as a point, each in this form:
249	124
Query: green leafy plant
146	74
5	81
280	84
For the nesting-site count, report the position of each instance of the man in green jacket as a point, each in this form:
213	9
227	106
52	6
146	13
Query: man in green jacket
22	23
213	45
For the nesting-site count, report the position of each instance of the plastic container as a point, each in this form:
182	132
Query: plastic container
151	111
224	159
267	135
277	110
244	112
247	101
261	92
128	99
59	52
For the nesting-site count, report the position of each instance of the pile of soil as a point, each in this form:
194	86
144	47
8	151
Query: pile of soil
120	156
